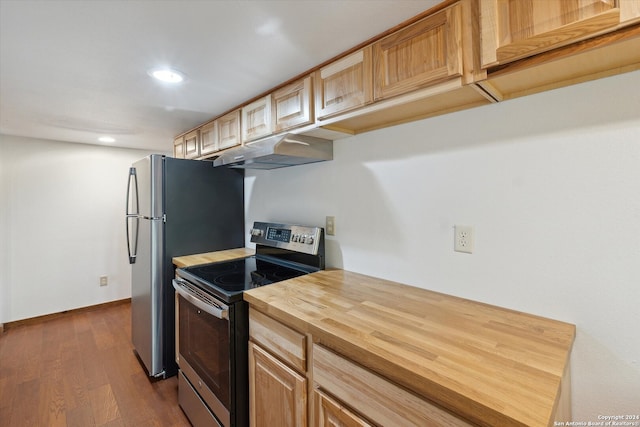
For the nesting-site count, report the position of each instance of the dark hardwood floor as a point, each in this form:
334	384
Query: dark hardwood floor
80	370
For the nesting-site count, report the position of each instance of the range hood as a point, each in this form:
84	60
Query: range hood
277	152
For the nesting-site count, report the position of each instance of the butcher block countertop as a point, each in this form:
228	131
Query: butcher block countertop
205	258
491	365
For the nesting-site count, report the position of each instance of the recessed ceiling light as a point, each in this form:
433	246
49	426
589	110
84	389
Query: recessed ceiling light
167	75
106	139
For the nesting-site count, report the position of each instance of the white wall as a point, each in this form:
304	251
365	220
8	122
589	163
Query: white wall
62	226
551	184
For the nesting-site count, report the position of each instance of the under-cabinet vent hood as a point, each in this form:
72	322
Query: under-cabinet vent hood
277	152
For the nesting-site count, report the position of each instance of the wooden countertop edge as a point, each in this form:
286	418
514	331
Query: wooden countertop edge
428	388
215	256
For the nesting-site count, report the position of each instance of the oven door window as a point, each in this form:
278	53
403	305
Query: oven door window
204	344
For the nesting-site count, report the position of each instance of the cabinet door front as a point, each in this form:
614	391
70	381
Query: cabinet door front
330	413
277	394
344	84
513	29
291	105
178	148
256	119
208	136
229	130
424	53
191	149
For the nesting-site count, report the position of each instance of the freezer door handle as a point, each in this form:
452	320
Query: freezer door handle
132	217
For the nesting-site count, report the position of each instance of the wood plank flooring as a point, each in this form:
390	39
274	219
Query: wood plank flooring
80	370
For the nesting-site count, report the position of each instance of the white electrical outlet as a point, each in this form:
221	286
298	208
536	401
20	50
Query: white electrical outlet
104	280
463	236
330	227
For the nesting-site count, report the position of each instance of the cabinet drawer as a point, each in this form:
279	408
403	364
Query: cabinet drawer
368	393
279	339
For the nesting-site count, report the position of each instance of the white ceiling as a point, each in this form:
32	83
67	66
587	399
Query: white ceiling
74	70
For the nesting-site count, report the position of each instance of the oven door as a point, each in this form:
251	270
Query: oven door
203	342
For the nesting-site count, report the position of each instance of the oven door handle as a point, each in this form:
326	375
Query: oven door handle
220	311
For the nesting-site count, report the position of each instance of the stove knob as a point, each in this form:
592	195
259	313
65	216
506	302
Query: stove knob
303	238
256	232
310	240
294	238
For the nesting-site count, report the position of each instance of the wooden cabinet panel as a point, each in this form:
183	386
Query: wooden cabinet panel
329	413
256	119
515	29
344	84
291	105
229	130
279	339
208	139
277	394
370	394
424	53
178	148
191	145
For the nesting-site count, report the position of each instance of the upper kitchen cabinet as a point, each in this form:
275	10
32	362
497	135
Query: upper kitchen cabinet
208	139
256	119
344	84
514	29
178	147
291	105
228	130
544	45
192	144
426	52
425	68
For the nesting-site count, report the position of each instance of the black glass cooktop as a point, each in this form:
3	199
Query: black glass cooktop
228	279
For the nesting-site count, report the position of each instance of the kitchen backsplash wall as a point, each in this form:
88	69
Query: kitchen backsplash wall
61	226
551	185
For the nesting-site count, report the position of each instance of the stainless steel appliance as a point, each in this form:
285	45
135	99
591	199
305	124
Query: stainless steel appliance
174	207
213	324
277	152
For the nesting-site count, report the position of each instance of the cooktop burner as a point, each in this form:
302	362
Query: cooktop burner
228	279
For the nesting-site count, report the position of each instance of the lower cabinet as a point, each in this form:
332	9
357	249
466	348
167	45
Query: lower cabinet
329	413
341	393
277	393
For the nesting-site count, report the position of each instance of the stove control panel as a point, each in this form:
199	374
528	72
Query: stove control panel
296	238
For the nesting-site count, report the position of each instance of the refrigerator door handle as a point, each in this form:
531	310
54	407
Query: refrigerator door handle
132	217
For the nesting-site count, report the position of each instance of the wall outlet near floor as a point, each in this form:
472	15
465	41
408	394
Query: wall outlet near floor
104	280
330	227
463	236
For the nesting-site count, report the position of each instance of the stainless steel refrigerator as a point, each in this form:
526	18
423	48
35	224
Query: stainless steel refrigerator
174	207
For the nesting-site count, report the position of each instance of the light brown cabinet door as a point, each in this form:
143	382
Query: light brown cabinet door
427	52
208	143
256	119
178	148
277	394
344	84
191	145
329	413
229	130
291	105
516	29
